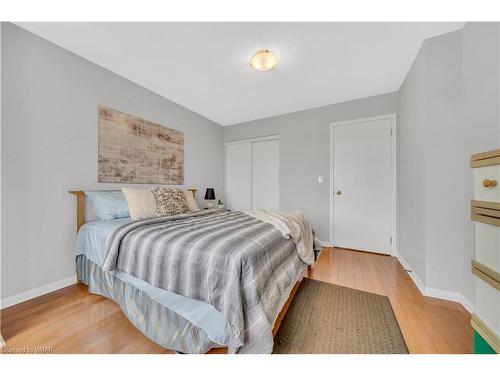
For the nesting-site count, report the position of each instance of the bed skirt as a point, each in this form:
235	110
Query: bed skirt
160	324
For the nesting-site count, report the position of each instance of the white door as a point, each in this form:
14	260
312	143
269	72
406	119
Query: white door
238	173
265	175
363	186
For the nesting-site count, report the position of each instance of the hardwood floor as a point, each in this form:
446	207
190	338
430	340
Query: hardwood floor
71	320
429	325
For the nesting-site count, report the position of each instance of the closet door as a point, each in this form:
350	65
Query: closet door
265	175
238	176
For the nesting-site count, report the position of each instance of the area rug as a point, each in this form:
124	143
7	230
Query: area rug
328	318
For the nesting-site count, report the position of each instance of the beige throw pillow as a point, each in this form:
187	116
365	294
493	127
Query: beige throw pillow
170	201
191	201
141	203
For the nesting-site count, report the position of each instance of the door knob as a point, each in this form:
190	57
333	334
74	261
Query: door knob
339	192
489	183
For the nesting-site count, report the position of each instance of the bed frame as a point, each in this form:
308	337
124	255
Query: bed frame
80	205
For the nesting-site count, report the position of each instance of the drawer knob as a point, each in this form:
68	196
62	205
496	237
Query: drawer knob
489	183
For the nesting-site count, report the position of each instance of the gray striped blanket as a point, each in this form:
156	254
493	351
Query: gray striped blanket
239	264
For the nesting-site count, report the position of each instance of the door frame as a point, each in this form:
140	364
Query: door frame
395	163
264	138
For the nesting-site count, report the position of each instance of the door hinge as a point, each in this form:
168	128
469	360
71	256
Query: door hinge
390	240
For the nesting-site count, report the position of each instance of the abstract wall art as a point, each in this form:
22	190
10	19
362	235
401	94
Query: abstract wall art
133	150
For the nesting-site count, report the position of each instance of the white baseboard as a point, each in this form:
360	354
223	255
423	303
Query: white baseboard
37	292
450	296
413	275
435	293
468	305
326	243
443	294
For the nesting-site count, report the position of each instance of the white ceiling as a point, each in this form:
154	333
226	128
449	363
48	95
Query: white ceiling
204	66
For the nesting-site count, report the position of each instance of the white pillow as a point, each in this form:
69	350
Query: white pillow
141	203
191	202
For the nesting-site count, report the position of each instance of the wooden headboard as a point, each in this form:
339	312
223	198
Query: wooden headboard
80	205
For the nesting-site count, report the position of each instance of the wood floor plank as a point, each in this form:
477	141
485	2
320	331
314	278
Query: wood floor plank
72	320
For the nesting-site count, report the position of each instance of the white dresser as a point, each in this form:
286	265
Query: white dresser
485	212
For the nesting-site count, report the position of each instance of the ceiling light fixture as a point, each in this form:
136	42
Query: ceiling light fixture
263	60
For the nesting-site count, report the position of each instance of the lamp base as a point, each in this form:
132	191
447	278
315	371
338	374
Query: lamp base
210	204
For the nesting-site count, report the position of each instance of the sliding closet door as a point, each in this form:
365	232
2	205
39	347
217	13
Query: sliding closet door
265	175
239	176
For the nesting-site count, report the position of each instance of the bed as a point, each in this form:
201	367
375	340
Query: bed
195	281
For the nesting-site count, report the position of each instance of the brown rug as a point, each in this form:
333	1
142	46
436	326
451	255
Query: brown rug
327	318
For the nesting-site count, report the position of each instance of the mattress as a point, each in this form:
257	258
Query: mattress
91	242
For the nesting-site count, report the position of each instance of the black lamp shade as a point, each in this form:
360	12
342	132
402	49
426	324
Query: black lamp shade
210	194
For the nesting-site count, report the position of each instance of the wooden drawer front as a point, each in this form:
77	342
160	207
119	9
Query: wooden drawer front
486	212
485	159
487	176
488	245
488	307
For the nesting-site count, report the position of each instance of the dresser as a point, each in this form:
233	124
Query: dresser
485	212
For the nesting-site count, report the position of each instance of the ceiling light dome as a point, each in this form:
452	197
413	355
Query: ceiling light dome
263	60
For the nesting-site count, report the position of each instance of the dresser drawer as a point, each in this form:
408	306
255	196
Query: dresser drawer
486	183
487	311
486	175
487	239
488	245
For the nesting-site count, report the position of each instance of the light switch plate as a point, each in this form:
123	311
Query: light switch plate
320	179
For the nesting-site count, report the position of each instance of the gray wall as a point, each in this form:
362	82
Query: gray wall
449	105
411	133
444	161
305	151
49	146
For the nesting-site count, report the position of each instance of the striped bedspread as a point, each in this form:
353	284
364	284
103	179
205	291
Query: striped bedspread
291	224
241	265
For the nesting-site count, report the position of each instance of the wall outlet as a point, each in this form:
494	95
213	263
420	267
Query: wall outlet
320	179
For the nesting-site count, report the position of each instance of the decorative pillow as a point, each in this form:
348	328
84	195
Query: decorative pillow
170	201
190	201
141	203
108	205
